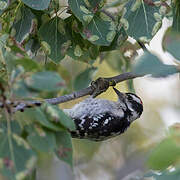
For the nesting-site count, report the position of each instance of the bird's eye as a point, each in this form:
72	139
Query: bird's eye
130	98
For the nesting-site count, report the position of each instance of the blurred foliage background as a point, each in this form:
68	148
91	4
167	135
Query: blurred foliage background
148	142
32	65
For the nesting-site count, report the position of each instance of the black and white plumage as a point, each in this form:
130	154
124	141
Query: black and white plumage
100	119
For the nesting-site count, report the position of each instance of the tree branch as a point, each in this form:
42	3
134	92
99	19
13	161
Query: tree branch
97	87
108	14
123	77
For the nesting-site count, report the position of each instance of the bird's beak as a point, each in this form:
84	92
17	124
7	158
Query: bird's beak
121	96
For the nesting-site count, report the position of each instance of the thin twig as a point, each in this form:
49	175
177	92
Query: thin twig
124	77
108	14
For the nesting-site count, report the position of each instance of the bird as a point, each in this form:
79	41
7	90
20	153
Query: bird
100	119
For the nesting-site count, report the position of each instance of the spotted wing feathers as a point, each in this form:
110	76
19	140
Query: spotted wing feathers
99	127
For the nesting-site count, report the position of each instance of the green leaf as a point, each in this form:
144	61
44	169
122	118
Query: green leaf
164	154
87	55
20	89
83	79
60	69
36	115
101	30
171	43
80	48
16	73
142	20
64	147
32	46
150	64
3	5
15	127
23	27
3	40
37	4
115	60
176	15
164	175
54	34
41	118
120	37
16	157
45	81
41	140
59	116
93	52
28	64
81	11
118	60
84	9
95	5
9	58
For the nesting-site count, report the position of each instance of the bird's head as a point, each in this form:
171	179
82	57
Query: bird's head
132	102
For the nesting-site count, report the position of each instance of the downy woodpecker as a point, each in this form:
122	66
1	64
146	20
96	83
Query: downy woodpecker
100	119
